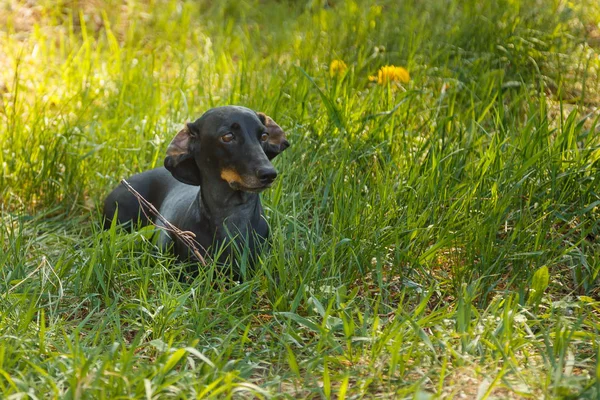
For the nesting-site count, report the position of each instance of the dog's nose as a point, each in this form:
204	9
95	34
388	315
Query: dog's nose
266	175
284	145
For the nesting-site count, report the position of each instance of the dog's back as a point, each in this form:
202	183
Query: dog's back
153	185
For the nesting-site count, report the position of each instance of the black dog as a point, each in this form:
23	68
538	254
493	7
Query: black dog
214	170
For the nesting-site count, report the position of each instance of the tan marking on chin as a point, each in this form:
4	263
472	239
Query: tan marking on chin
230	175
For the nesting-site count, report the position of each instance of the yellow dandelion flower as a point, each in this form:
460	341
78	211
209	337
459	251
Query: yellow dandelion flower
390	73
337	68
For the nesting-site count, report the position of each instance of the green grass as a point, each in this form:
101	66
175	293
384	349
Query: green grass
432	239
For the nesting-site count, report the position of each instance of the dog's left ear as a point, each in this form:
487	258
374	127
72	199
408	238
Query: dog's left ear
180	159
277	141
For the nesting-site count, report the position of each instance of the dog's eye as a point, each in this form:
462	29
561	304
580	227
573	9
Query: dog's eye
264	137
228	137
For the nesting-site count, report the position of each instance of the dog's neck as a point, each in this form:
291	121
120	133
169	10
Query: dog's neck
221	206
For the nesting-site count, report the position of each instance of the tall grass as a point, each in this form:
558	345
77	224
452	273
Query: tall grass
430	239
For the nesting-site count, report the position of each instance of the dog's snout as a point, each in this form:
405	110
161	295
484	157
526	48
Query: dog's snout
266	175
284	145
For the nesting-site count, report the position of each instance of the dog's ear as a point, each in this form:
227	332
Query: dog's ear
180	159
277	141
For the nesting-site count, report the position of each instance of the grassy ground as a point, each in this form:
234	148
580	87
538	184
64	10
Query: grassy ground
435	238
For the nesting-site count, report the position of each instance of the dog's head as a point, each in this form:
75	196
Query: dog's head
234	143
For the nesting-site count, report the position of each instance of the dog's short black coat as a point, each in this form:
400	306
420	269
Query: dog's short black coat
210	183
